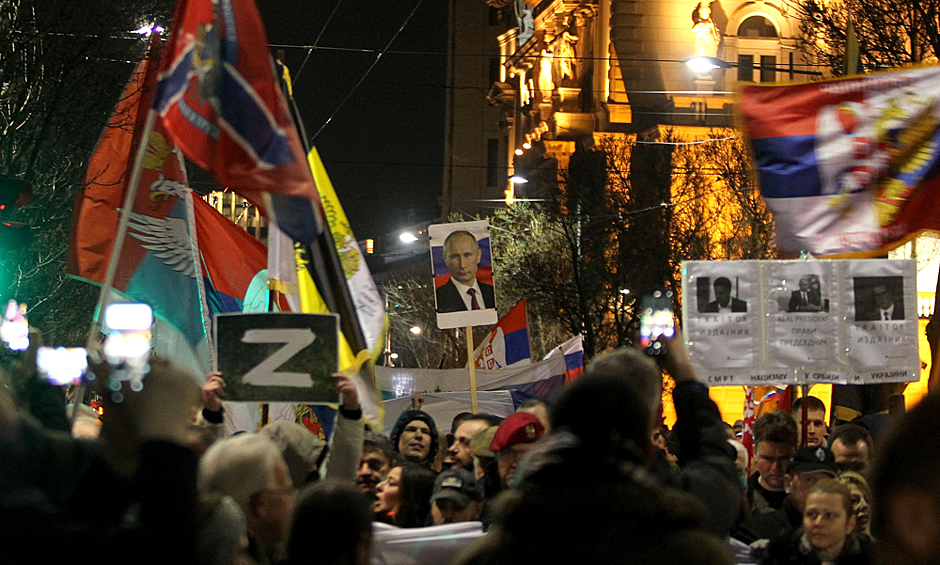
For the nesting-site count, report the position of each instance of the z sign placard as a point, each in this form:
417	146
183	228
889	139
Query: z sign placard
278	357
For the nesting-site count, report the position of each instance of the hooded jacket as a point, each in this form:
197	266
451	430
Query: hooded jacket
407	417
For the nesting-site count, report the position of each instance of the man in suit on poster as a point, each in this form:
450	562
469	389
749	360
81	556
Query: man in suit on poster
883	306
807	299
463	292
723	301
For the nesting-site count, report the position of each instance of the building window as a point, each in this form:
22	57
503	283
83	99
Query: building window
757	26
494	16
492	162
494	70
768	68
746	68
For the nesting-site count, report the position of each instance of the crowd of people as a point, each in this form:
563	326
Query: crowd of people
593	477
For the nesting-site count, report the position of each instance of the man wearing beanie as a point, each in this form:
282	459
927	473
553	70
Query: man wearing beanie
414	437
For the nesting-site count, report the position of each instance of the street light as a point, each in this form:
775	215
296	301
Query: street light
416	330
703	65
408	237
518	179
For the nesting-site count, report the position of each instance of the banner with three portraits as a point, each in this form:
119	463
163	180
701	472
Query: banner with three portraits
801	322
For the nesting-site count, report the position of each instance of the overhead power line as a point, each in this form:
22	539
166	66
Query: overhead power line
369	70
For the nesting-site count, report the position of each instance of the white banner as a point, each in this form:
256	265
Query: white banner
405	382
800	322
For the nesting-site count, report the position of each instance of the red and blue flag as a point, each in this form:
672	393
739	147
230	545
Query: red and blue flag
848	166
219	100
507	344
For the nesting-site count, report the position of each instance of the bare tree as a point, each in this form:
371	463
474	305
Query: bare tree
62	66
891	33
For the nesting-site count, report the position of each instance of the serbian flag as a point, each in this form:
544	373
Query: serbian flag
235	273
219	101
157	263
848	167
507	344
573	350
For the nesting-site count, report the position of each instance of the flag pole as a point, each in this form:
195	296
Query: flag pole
104	297
471	364
129	196
933	338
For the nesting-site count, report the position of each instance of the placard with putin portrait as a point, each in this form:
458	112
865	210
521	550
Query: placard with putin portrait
802	325
462	265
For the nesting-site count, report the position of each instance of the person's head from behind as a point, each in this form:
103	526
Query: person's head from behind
828	517
906	488
459	453
816	420
852	446
300	448
249	468
723	291
414	436
633	380
808	466
458	497
332	526
775	437
376	461
221	537
462	256
861	500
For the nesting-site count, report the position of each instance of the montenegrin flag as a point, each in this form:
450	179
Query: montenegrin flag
219	100
848	167
158	260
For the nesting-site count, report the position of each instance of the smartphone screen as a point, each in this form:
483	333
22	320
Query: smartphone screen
656	321
14	329
127	346
61	365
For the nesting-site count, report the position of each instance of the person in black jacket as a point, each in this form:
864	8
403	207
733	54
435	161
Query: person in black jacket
808	466
826	536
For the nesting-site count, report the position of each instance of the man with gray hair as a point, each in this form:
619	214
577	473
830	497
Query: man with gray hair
249	468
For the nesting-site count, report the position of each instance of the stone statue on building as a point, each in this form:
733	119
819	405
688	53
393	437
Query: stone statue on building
546	60
525	20
565	53
705	31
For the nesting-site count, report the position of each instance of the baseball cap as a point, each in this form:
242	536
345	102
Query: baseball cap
520	427
458	486
813	460
480	444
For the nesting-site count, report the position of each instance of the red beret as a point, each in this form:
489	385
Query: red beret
520	427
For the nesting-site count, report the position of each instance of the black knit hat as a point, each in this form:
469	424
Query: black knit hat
407	417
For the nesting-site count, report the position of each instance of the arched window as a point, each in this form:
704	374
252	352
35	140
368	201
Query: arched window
757	26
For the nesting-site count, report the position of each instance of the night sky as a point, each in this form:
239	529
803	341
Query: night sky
384	148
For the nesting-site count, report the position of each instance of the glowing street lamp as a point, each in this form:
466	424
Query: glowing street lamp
416	330
408	237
